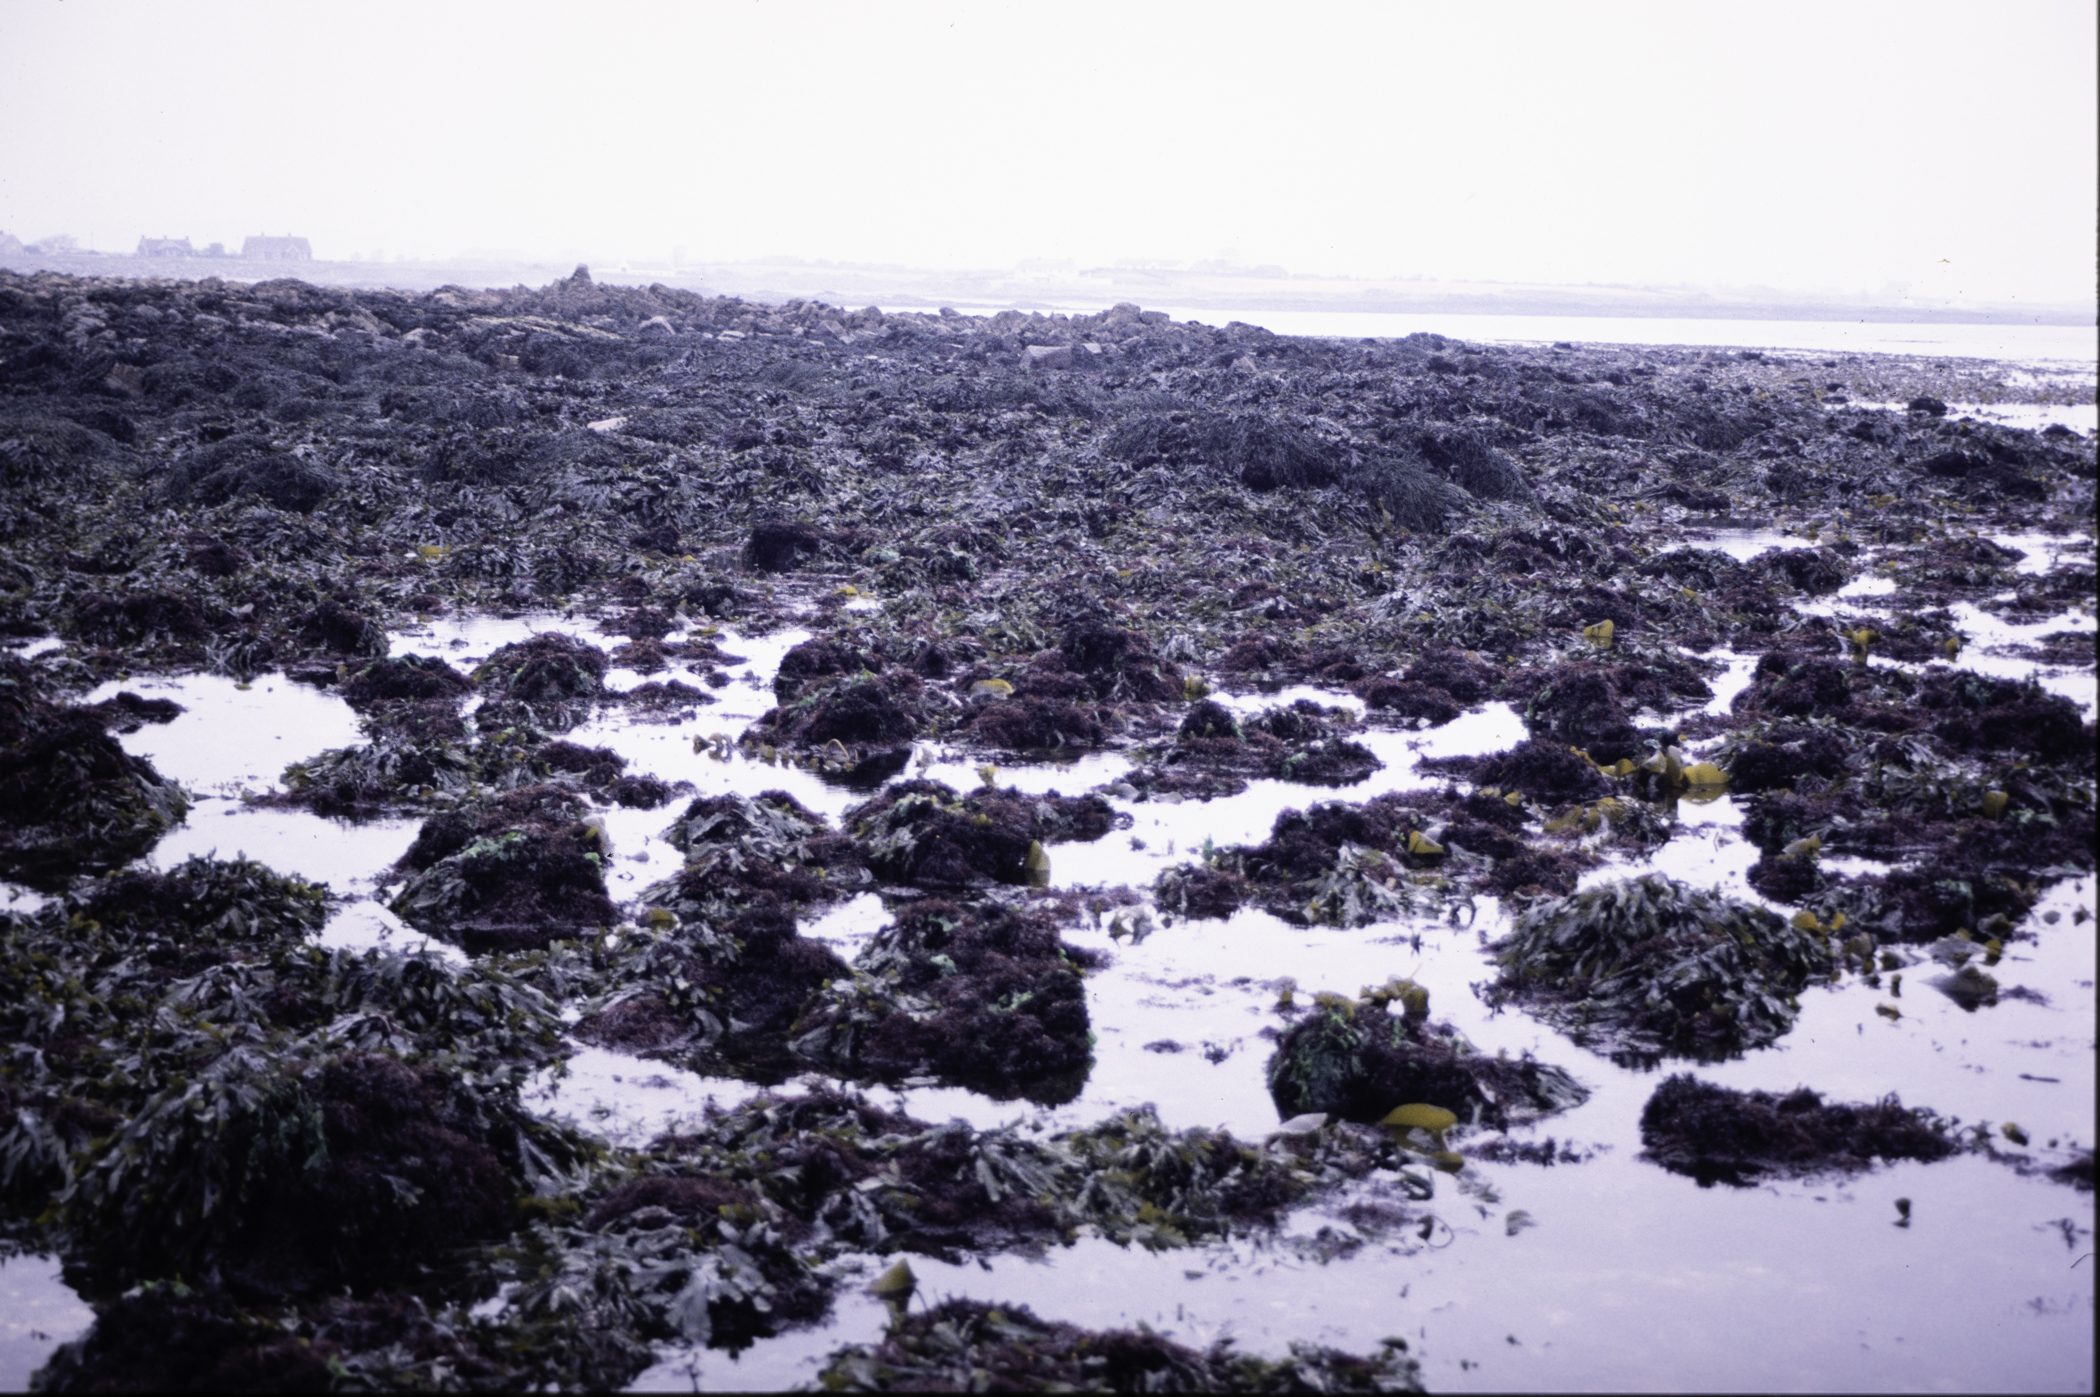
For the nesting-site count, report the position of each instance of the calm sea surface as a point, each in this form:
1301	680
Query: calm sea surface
2058	345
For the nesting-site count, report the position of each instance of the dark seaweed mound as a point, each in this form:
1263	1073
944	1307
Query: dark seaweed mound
1650	967
962	1345
1358	1062
71	798
1716	1135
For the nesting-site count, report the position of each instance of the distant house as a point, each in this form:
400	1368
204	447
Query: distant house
165	247
277	250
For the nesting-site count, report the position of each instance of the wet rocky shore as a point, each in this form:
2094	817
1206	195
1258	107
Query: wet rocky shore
1237	561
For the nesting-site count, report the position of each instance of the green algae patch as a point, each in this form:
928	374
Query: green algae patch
968	1346
1649	968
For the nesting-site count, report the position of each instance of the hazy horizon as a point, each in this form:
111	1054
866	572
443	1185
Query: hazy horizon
1889	152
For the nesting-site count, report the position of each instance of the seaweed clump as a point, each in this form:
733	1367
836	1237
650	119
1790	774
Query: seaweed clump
715	995
967	1345
1110	663
987	995
511	873
923	833
72	799
846	1173
717	971
167	1337
1351	865
1356	1060
1648	968
1216	754
741	848
404	679
1718	1135
290	1177
551	680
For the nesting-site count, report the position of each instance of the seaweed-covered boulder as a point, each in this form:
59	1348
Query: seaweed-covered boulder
855	711
874	1179
1347	865
123	938
140	619
1780	755
1580	706
415	753
335	628
1260	451
1955	893
297	1175
1549	772
512	873
739	847
1785	877
593	767
818	659
1030	722
1975	712
243	465
554	677
1215	753
1425	704
1358	1061
127	712
968	1345
1200	891
168	1337
1466	677
1716	1134
986	995
1209	721
1816	571
235	905
777	545
72	799
1117	665
404	679
922	832
832	1167
1790	684
1648	967
714	995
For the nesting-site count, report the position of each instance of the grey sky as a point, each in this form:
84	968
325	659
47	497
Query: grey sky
1813	146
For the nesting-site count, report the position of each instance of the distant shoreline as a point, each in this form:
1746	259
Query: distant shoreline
1081	292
